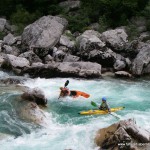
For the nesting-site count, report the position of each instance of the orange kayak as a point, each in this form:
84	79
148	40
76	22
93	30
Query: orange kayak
78	93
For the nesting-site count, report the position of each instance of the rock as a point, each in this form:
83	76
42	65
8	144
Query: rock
42	70
7	49
2	24
146	70
1	44
9	39
2	59
66	41
13	80
119	65
88	41
71	58
48	59
106	58
145	36
65	69
35	95
15	63
142	60
43	34
80	69
31	57
31	112
69	5
123	74
122	135
133	48
59	55
116	39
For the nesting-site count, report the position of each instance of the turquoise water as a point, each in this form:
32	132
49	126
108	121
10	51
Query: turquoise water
67	129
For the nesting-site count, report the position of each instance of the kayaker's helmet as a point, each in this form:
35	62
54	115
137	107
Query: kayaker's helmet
104	99
61	88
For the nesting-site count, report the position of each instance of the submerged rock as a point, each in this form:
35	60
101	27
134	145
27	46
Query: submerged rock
123	134
35	95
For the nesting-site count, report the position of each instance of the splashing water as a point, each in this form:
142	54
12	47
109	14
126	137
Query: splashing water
67	129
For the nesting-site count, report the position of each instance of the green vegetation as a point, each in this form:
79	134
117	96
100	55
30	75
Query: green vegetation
108	13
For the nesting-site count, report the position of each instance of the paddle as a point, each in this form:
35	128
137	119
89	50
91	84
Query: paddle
65	85
95	105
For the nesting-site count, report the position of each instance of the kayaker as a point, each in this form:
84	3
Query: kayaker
64	92
104	105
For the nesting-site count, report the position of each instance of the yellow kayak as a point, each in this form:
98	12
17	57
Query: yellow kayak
100	112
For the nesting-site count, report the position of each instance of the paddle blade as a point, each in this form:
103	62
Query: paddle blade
94	104
66	83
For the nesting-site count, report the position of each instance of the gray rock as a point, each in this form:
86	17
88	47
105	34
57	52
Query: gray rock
71	58
69	5
15	62
119	65
89	41
141	60
43	34
125	131
9	39
106	58
35	95
31	112
123	74
65	69
144	36
80	69
146	70
117	38
66	41
59	55
2	59
7	49
31	57
48	59
2	24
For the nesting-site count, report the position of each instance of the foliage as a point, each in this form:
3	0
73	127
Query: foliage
109	13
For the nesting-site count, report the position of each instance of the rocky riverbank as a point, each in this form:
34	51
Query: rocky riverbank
47	49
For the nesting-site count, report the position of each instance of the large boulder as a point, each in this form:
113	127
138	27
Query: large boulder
116	39
142	60
44	34
119	65
65	69
30	112
80	69
88	41
2	24
123	134
35	95
15	63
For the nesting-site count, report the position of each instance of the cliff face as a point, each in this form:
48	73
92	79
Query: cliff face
125	135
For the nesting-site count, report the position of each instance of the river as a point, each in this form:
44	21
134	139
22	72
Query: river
66	129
